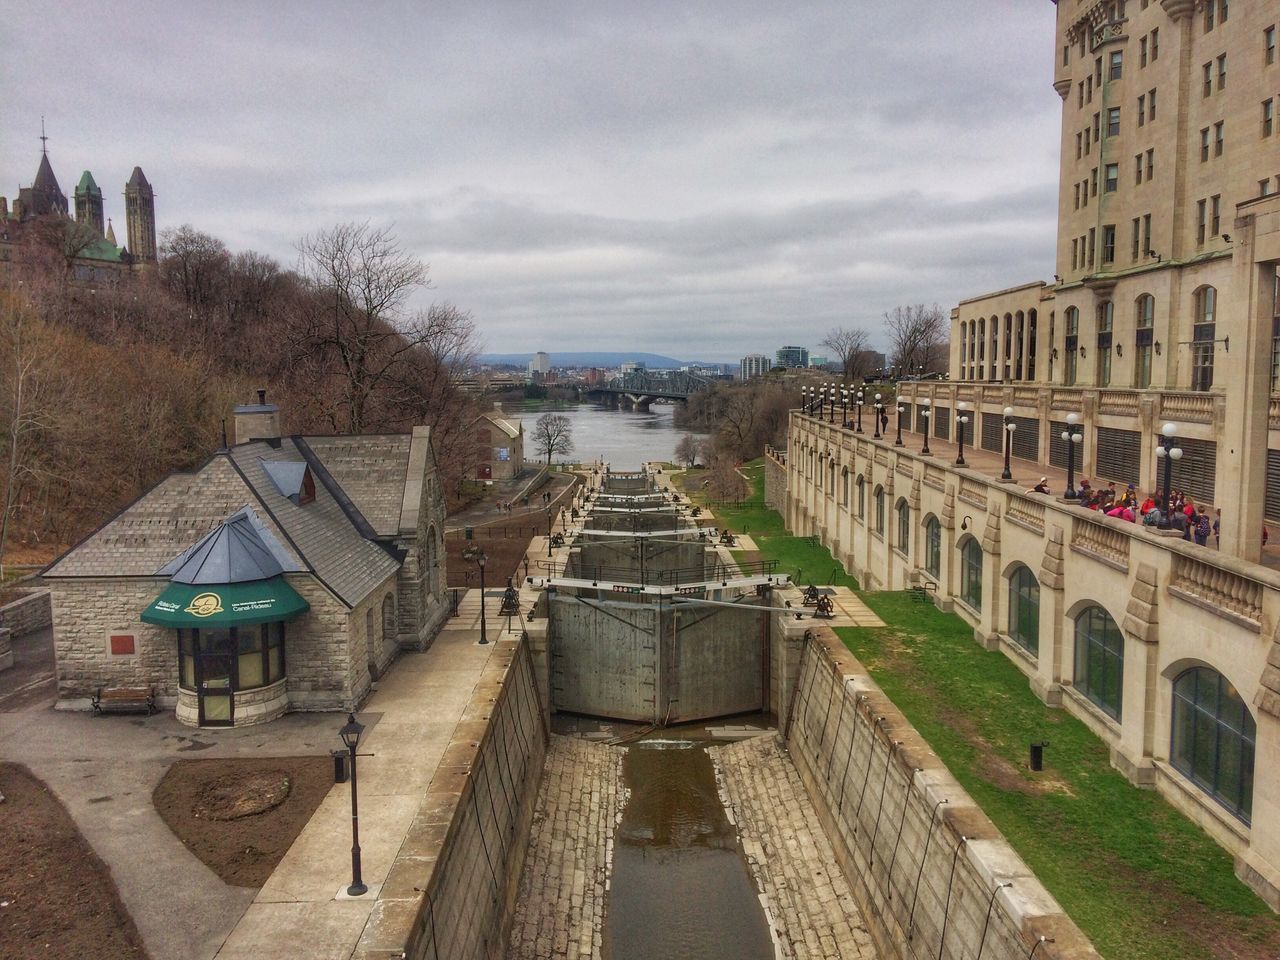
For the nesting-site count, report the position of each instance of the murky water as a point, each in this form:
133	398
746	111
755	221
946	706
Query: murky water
681	889
621	437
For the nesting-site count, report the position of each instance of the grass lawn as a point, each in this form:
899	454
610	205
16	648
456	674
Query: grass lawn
1141	880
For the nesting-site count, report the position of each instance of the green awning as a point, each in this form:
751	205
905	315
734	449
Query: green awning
225	605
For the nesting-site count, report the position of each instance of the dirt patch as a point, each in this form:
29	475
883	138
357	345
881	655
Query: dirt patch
503	559
240	816
57	899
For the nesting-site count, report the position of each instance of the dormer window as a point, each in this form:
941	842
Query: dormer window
291	478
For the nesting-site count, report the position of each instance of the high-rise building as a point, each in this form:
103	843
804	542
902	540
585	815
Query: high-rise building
791	357
754	365
540	363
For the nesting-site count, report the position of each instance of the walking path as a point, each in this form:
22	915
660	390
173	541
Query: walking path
807	898
560	911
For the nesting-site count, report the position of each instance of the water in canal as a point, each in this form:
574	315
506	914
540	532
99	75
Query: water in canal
680	888
623	438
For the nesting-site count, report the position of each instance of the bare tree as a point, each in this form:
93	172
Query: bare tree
688	449
552	433
193	265
851	345
914	334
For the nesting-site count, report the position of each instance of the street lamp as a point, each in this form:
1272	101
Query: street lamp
901	410
961	419
350	734
859	411
878	407
476	555
1009	427
1168	451
1073	440
550	515
927	403
844	407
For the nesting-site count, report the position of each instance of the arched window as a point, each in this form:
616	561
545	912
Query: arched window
971	573
933	548
1145	317
1106	320
1213	738
1202	338
1100	660
844	487
1024	610
879	499
831	485
904	526
861	484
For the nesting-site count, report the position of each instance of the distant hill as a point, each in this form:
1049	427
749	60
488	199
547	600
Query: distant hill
592	358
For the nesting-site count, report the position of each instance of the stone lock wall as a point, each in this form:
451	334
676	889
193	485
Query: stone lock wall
775	479
27	614
932	875
451	891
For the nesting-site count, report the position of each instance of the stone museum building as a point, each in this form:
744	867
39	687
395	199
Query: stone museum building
1165	310
285	573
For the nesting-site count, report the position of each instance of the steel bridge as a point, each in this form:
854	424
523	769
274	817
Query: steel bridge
636	390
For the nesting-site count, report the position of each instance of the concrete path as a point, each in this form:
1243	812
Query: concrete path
410	721
807	898
850	610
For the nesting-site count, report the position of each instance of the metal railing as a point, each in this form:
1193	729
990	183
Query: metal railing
677	577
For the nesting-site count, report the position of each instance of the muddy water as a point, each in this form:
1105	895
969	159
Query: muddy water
680	888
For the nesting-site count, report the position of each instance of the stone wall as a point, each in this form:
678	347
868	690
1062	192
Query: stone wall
6	648
931	874
27	614
450	894
775	479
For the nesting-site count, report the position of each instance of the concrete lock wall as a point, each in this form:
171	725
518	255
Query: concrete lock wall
716	662
932	875
633	522
451	891
636	561
604	658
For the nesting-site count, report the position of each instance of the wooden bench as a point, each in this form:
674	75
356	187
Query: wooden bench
124	699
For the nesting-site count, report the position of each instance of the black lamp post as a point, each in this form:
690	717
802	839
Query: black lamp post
1009	427
476	556
550	515
859	411
901	410
961	419
350	734
831	392
927	413
1167	449
878	408
1073	440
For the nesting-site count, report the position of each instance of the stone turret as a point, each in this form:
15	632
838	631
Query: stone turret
89	202
140	215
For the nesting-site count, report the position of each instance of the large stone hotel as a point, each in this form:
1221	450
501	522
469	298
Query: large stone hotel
1165	310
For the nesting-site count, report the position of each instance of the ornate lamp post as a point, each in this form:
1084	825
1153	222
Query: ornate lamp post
1009	427
350	734
1167	450
550	518
831	392
476	556
927	413
1073	439
961	419
878	408
859	430
901	410
844	407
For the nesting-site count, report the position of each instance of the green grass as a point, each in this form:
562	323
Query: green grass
1139	878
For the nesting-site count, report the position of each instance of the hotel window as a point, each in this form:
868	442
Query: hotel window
1151	162
1079	145
1275	334
1155	44
1200	220
1075	243
1097	73
1142	109
1137	169
1222	11
1204	145
1088	88
1151	104
1215	218
1208	79
1269	45
1105	315
1208	16
1115	65
1268	116
1066	55
1218	137
1077	197
1264	188
1146	318
1112	171
1222	72
1093	182
1086	141
1204	334
1113	121
1146	234
1142	52
1093	242
1097	127
1080	99
1109	243
1137	223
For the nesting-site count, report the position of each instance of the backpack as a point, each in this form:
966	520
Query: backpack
1202	525
1151	518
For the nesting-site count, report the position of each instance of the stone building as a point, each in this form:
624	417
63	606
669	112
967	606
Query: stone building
1166	302
500	441
285	573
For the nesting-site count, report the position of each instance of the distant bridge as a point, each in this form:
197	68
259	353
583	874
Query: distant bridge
638	389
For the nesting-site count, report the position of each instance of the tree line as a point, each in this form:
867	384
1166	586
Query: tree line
108	385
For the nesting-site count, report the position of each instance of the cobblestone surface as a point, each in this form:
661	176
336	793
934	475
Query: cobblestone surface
560	910
806	897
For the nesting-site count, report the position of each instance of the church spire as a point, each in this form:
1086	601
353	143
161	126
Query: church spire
111	234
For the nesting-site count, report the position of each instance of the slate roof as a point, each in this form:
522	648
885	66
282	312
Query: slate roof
138	179
330	536
509	427
239	550
45	180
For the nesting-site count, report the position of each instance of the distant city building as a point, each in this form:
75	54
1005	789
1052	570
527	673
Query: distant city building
754	365
631	366
791	357
540	363
819	363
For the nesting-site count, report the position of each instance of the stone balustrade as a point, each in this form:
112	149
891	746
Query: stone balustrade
1027	513
1098	537
1220	590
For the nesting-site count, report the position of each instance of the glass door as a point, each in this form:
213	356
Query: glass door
215	677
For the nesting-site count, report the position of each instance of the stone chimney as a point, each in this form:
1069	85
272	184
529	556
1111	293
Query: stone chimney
257	421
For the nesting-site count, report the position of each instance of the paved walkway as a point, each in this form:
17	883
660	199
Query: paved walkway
807	898
410	721
560	911
850	610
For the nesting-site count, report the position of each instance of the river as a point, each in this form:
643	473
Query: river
623	438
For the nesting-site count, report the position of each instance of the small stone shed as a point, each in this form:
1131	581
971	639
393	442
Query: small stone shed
286	573
500	442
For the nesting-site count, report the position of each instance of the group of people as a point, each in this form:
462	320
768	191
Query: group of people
1193	522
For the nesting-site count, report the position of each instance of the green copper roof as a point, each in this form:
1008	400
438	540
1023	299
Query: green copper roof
101	249
87	186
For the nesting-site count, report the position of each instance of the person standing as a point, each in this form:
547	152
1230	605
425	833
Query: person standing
1202	528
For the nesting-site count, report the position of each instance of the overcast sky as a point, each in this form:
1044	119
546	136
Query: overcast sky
697	179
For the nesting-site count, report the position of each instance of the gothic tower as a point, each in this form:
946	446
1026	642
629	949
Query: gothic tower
140	214
89	202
